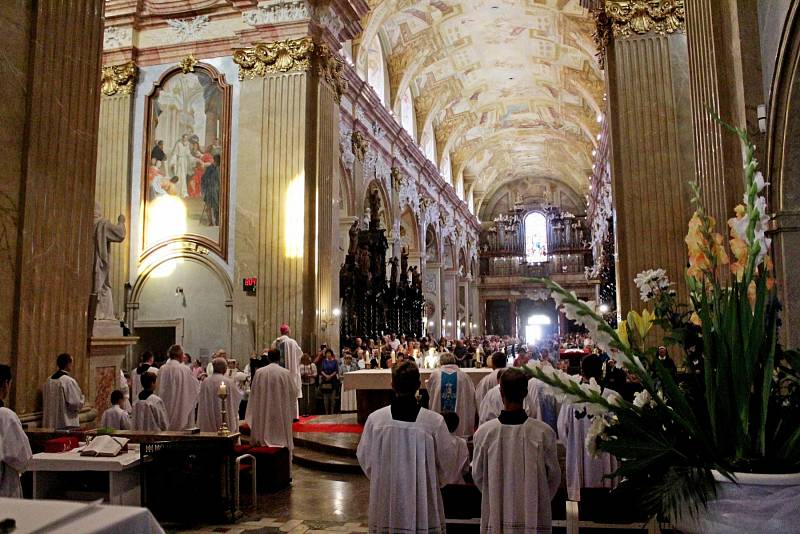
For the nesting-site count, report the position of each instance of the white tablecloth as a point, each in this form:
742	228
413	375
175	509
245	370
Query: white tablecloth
382	378
73	461
62	517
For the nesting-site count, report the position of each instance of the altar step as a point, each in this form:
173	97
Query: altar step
324	461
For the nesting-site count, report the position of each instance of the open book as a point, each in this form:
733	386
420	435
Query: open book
105	446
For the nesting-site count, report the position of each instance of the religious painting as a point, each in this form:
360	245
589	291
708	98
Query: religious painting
187	159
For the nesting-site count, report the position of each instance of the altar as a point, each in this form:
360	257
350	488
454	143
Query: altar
374	387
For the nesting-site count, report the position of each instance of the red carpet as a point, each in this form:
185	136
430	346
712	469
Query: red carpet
306	425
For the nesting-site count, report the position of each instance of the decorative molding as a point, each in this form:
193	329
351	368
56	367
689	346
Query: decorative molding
359	145
601	35
291	55
188	29
329	20
346	148
119	79
331	69
187	64
397	178
645	16
277	12
117	37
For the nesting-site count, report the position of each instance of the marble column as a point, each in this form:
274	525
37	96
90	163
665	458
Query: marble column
288	154
50	68
113	182
725	70
652	147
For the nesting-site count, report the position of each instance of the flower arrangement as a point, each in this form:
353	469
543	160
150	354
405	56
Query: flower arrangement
738	409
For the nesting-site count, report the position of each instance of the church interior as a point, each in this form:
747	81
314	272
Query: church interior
400	266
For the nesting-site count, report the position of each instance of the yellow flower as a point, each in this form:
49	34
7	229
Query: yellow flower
642	322
695	319
622	333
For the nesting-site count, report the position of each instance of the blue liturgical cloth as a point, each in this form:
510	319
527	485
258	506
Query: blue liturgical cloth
449	391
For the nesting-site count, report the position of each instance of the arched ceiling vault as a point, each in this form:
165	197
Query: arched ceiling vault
511	87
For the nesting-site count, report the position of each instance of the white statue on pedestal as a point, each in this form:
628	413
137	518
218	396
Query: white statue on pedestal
105	233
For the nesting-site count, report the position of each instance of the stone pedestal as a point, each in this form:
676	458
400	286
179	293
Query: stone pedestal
105	362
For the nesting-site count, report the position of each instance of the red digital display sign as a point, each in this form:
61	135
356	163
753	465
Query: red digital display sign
249	285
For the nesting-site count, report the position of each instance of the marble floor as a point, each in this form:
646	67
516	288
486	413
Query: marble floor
316	503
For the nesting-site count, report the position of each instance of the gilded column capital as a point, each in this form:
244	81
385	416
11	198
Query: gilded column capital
118	79
359	145
291	55
331	69
640	17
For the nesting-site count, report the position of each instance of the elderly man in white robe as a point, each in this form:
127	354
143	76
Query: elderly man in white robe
63	398
209	411
15	450
179	389
406	453
272	404
290	359
497	361
149	413
451	390
515	465
583	469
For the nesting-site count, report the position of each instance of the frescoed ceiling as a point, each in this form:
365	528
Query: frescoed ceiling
511	87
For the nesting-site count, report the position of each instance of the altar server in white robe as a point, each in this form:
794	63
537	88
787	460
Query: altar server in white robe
584	470
497	361
491	406
272	404
15	450
451	390
459	445
290	359
406	454
515	465
209	411
149	413
136	375
63	398
115	416
179	389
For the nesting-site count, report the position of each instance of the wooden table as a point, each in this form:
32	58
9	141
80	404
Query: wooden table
374	387
70	476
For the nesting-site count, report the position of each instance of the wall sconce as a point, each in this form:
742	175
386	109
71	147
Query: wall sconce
327	320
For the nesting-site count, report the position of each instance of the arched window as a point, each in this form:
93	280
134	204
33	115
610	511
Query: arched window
376	69
428	144
407	113
535	238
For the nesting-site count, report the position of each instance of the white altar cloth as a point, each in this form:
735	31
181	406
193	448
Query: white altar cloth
73	461
62	517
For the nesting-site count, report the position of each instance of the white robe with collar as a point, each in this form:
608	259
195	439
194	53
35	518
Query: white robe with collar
407	464
116	418
271	407
583	471
209	410
149	415
465	398
459	445
516	469
178	388
15	454
63	401
136	382
293	353
491	406
487	383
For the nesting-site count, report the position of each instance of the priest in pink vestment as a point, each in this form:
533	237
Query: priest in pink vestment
272	404
179	389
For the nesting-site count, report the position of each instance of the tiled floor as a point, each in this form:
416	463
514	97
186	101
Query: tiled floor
316	503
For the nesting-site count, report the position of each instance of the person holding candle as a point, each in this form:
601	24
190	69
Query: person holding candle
209	411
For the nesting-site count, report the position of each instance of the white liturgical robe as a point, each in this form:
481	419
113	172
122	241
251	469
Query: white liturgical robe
136	380
291	354
178	388
407	464
464	392
149	415
515	467
115	417
583	471
209	410
62	401
459	445
491	406
271	407
15	454
485	385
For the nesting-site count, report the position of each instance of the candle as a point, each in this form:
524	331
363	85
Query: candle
223	390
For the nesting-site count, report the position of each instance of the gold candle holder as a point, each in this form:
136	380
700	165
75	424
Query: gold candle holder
222	393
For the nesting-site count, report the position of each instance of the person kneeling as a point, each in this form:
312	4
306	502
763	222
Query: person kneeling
515	465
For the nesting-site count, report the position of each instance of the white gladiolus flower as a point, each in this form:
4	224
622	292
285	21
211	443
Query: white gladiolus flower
642	399
596	430
758	179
